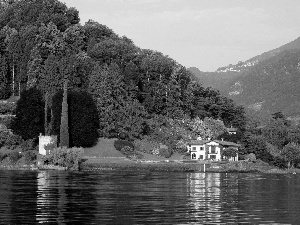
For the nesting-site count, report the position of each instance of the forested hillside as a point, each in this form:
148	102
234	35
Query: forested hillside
117	90
42	44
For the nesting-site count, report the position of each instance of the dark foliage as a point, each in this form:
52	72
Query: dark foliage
165	152
83	118
64	124
279	162
119	144
29	121
30	155
14	156
7	108
29	145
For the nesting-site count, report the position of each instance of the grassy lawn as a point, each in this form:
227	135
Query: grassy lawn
103	149
104	152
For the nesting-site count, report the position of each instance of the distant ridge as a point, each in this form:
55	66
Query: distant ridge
264	84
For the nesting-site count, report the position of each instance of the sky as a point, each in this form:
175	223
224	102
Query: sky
206	34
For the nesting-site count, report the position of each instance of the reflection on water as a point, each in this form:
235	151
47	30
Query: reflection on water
120	197
51	197
204	191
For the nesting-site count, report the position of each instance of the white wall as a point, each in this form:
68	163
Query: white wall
44	140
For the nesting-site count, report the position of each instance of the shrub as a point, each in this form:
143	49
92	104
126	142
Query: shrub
12	141
83	118
146	146
29	145
279	162
7	121
3	136
29	120
7	108
120	144
9	140
3	154
64	157
131	153
165	152
14	156
250	157
30	155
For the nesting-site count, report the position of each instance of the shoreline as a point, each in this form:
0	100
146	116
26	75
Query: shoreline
124	164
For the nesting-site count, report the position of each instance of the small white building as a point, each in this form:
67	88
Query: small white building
210	150
232	130
44	141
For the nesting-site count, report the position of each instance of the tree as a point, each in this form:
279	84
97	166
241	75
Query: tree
29	121
229	152
216	127
83	118
119	113
291	153
276	132
257	145
64	124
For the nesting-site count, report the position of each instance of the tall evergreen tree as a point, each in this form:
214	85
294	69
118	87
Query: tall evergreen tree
64	125
29	121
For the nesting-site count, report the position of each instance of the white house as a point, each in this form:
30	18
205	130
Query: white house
210	150
232	130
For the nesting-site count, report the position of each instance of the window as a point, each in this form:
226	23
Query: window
201	157
201	148
194	148
213	150
213	157
193	156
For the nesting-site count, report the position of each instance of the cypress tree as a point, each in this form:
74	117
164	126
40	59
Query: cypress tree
64	126
28	122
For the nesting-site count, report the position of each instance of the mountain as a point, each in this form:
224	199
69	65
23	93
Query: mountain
264	84
244	66
214	79
271	85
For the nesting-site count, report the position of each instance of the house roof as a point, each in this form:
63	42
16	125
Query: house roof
203	142
231	129
198	142
227	143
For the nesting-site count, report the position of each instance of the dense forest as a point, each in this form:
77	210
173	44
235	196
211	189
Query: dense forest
139	94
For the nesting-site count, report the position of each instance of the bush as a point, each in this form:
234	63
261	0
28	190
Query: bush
165	152
146	146
14	156
30	155
29	145
279	162
7	108
250	157
9	140
127	149
3	154
29	120
64	157
83	118
131	153
13	141
7	121
120	144
3	136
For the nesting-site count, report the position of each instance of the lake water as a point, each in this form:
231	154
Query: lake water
130	197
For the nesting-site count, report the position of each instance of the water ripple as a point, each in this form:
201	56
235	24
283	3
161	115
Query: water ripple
122	197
